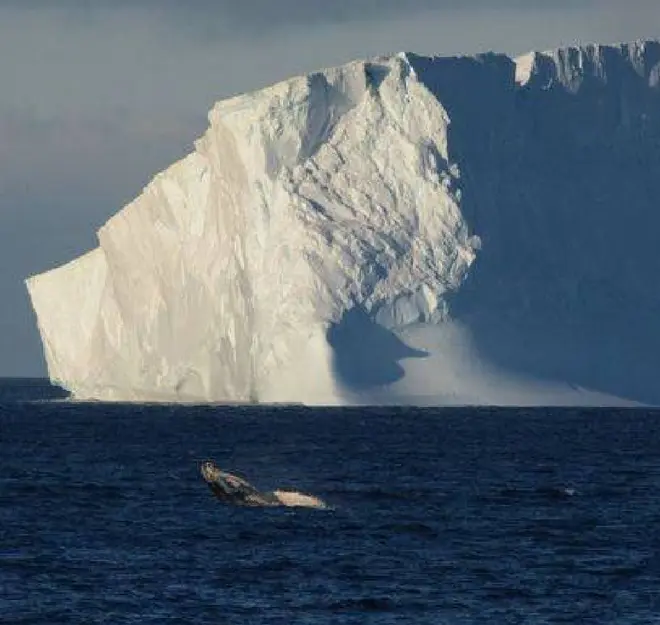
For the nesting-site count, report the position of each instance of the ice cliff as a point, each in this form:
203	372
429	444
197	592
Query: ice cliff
401	230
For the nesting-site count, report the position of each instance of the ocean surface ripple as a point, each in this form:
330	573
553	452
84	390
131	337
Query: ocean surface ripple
438	516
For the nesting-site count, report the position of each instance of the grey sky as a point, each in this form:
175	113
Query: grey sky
98	95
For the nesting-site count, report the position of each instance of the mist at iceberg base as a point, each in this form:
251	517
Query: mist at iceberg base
406	230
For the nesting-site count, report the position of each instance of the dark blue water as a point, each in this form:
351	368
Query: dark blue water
439	516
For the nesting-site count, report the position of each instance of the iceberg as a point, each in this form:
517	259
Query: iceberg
402	230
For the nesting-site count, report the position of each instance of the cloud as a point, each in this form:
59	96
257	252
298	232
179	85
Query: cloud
236	18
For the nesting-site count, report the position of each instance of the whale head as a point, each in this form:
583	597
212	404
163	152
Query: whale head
210	472
233	489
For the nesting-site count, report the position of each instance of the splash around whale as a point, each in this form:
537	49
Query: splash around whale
231	489
402	230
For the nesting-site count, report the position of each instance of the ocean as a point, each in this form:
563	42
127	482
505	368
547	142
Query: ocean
447	515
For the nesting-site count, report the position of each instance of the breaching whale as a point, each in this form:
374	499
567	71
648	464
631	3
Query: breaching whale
232	489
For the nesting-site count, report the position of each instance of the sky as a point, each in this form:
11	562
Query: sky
97	96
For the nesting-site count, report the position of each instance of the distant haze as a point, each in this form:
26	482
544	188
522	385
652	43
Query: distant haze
97	96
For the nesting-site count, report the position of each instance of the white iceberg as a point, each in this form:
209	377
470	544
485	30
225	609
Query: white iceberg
401	230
